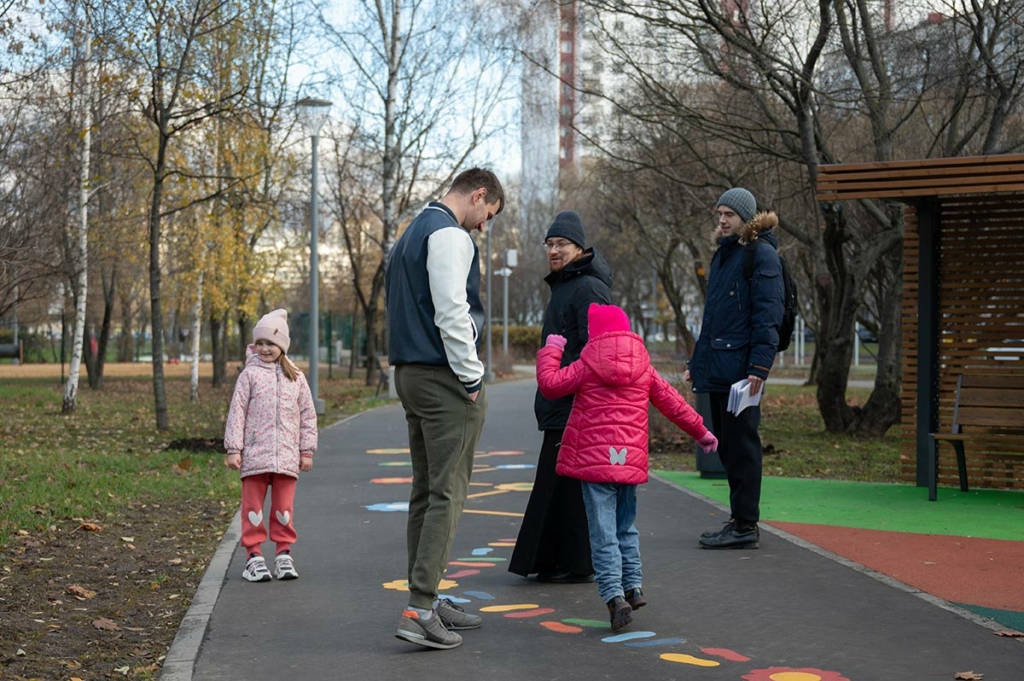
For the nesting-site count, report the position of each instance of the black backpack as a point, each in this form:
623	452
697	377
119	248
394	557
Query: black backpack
790	307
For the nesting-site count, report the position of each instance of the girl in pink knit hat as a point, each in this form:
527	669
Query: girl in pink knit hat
270	437
605	443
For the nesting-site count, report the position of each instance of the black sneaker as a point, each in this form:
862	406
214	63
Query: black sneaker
426	632
736	537
619	612
454	617
714	533
635	598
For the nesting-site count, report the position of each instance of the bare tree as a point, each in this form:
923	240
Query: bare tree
422	86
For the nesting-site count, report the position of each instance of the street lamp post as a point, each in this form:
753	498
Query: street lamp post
511	260
313	114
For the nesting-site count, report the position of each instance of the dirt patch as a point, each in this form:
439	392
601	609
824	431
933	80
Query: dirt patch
101	600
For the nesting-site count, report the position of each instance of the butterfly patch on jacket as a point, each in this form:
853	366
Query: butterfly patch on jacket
617	458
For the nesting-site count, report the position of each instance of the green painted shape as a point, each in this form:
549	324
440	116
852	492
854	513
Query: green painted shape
986	514
1010	618
478	559
597	624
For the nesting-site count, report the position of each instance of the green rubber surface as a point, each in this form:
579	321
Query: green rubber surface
987	514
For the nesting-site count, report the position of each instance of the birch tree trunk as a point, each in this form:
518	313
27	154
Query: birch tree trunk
197	327
81	251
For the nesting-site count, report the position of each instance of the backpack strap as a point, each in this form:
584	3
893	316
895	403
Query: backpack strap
748	259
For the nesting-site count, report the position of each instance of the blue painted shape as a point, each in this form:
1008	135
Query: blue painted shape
656	642
454	599
515	466
481	595
400	506
481	552
619	638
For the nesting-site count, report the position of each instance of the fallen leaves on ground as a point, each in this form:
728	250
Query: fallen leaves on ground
968	676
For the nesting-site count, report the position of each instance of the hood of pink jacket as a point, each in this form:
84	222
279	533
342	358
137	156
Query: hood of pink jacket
617	358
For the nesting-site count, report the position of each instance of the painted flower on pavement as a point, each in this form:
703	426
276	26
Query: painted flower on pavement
790	674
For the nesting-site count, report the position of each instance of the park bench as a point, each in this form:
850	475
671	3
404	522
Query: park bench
989	409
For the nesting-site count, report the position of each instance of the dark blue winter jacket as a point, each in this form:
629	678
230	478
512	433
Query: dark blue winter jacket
740	330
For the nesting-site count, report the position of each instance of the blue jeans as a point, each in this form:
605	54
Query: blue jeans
614	541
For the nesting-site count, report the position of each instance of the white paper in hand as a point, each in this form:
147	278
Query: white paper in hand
740	397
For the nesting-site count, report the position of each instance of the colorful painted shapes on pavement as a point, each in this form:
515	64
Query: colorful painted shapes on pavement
523	614
689	659
561	628
391	481
725	654
401	450
403	585
510	452
505	543
480	595
628	636
482	552
509	607
463	573
790	674
394	463
515	466
656	642
470	563
479	559
596	624
390	507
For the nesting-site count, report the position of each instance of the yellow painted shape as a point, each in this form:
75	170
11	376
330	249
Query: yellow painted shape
504	513
502	543
388	451
689	659
507	608
511	452
794	676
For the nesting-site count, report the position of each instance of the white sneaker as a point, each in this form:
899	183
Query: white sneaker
256	570
284	567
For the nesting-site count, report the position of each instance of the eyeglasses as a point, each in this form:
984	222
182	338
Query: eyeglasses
557	245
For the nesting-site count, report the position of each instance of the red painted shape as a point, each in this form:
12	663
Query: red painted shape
985	572
463	563
530	613
561	628
462	573
725	654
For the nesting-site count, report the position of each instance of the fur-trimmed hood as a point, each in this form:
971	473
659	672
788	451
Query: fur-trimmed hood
751	229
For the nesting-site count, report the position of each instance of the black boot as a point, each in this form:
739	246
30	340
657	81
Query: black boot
620	612
737	536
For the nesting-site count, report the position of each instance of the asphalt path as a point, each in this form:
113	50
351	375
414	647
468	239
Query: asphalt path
785	612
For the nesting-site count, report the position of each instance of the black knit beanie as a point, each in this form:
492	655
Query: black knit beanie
568	225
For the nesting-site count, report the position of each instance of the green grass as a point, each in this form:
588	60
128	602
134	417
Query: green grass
795	442
107	455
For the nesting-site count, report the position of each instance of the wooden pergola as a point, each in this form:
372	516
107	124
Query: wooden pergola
963	294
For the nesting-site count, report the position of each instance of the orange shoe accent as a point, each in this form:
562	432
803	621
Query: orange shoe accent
411	614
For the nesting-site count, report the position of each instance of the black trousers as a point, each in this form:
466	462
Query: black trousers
739	448
554	534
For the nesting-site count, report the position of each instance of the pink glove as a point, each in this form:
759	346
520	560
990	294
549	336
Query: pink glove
708	443
556	341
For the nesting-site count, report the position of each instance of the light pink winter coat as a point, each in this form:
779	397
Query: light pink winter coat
271	420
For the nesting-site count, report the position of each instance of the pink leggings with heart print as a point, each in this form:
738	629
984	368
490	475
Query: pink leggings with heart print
282	496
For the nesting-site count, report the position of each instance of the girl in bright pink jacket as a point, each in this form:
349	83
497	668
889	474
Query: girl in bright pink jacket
270	437
605	443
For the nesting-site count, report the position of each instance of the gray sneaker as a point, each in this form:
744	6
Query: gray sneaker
455	618
426	632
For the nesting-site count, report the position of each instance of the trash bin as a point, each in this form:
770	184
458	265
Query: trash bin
708	465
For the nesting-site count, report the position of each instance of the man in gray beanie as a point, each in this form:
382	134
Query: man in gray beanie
554	541
738	339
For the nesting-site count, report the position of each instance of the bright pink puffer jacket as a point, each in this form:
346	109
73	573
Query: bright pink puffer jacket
606	437
271	419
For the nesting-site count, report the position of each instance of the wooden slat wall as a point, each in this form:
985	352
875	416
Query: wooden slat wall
981	275
920	178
